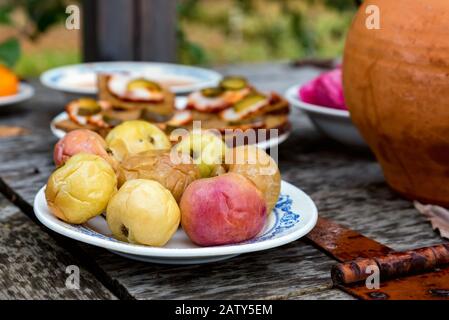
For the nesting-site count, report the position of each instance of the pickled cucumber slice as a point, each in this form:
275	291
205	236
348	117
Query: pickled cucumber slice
88	107
233	83
212	92
111	121
249	101
142	83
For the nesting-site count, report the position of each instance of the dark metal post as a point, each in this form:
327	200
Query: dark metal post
141	30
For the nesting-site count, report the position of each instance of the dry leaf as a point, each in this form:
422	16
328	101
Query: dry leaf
438	217
10	131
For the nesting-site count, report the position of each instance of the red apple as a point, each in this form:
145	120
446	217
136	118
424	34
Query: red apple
81	140
222	210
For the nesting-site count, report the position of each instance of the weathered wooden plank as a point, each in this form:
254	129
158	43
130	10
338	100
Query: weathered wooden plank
275	272
331	294
7	210
33	266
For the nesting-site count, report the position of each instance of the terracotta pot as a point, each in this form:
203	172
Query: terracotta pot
396	83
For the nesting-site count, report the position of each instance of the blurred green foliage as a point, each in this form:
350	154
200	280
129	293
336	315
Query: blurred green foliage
40	16
9	51
209	32
254	30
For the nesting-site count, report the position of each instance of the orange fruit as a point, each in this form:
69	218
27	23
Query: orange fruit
9	83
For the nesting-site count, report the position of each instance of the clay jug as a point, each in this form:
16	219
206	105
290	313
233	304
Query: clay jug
396	84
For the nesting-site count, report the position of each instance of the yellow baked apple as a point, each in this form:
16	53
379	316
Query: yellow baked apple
135	136
207	150
255	164
143	212
157	165
81	188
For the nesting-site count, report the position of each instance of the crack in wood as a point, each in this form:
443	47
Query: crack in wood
70	245
301	292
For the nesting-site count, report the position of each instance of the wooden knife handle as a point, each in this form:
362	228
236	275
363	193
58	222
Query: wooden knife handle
392	265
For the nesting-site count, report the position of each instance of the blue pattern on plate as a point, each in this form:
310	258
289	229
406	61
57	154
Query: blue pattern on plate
285	219
89	232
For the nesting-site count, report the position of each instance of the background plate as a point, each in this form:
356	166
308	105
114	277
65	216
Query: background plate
80	79
26	91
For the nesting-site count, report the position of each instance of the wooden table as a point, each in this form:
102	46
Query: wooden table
347	186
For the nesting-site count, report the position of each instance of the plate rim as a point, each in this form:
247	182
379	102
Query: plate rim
291	96
45	76
140	250
26	92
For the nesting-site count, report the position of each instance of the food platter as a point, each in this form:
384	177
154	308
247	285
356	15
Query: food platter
180	103
133	156
26	91
294	216
80	79
266	144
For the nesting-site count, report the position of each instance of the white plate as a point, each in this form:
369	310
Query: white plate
26	91
81	80
294	216
267	144
180	104
334	123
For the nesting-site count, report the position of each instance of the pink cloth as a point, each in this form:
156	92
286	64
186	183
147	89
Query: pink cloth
326	90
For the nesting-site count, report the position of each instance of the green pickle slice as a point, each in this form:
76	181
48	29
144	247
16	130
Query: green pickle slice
212	92
248	101
88	107
233	83
142	83
111	121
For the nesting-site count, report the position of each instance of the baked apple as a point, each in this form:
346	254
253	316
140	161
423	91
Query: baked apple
157	165
143	212
207	150
255	164
135	136
81	188
81	140
222	210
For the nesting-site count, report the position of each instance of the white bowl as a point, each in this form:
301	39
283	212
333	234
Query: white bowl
334	123
294	215
80	79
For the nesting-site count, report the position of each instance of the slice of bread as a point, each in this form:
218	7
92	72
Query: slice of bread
158	109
